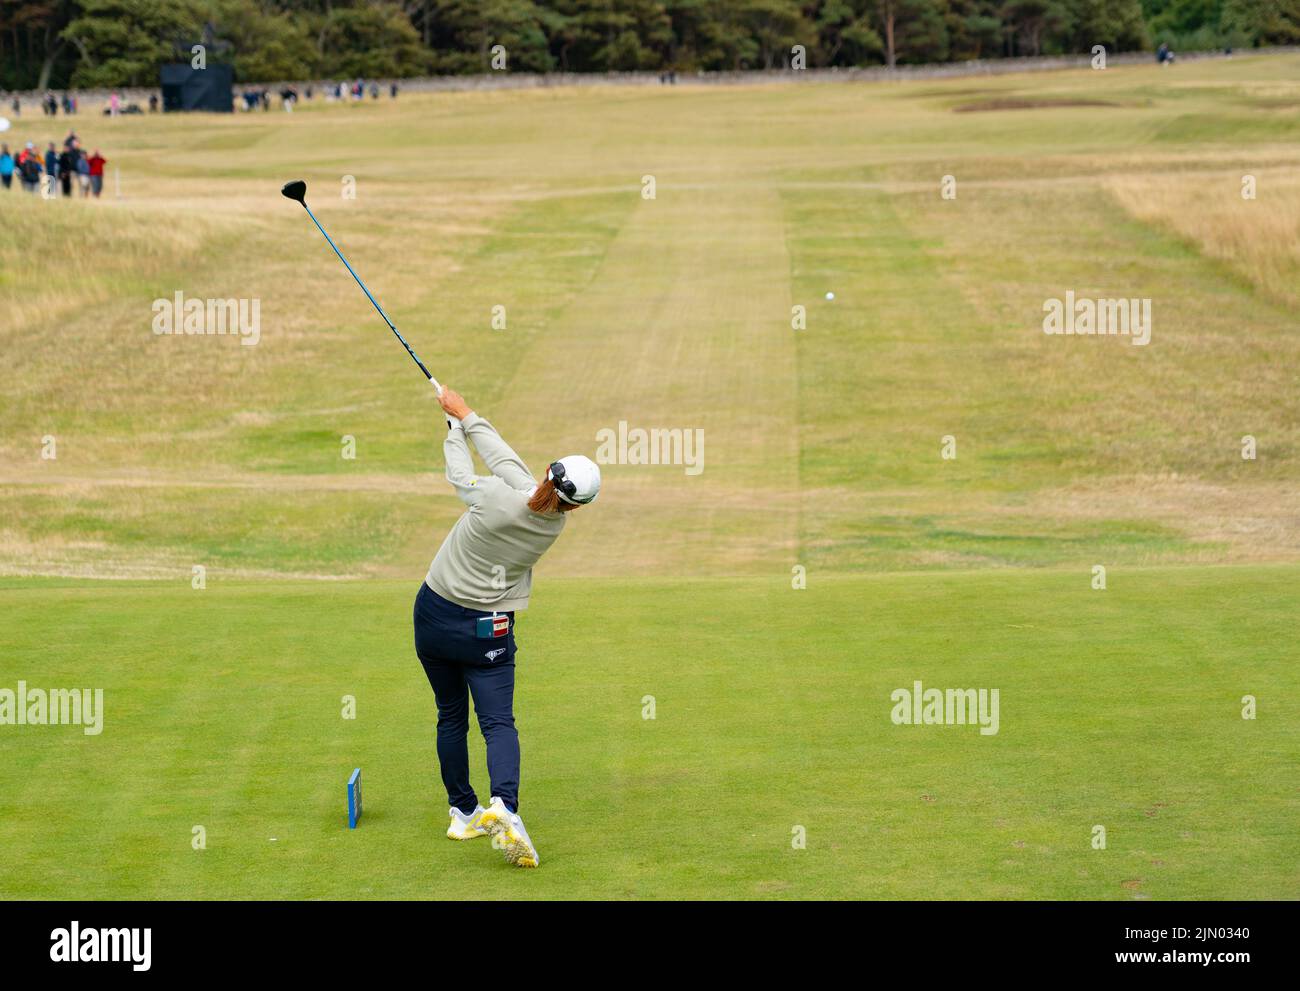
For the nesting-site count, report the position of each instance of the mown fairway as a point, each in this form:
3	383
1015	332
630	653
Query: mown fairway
1119	708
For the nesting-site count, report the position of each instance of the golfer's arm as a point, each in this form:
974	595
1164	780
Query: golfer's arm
460	467
500	458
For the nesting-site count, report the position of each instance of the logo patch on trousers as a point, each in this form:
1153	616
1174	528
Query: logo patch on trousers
492	655
491	627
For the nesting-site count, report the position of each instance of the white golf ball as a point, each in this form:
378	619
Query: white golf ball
830	295
4	124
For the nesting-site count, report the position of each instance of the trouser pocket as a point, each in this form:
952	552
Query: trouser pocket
448	632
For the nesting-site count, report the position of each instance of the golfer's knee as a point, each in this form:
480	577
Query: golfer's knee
453	719
494	724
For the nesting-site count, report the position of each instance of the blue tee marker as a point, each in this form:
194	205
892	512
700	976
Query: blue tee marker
354	798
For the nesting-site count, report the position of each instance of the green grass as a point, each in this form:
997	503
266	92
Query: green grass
1119	708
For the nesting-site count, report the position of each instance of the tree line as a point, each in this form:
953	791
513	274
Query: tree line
101	43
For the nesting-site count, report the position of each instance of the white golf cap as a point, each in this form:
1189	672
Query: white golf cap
578	481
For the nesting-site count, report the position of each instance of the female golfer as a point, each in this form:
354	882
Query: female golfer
465	613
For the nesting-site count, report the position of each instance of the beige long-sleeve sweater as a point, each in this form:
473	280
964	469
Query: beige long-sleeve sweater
486	561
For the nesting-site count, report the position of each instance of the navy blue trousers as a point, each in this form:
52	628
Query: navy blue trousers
459	665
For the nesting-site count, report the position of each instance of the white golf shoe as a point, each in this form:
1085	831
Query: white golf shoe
465	827
508	834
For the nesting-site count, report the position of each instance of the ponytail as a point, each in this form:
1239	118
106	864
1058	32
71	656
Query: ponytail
545	500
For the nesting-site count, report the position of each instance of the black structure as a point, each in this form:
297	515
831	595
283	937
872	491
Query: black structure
187	88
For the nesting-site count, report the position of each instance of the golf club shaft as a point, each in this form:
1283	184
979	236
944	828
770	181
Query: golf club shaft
414	357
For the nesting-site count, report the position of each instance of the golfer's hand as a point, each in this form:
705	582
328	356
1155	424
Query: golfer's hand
453	403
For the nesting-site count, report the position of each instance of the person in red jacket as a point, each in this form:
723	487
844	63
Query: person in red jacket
30	168
96	162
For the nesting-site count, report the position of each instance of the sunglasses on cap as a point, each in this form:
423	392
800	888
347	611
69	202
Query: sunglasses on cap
563	485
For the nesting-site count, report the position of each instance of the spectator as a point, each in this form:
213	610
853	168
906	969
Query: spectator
96	163
6	167
67	169
83	172
392	90
29	168
17	107
153	103
114	103
51	161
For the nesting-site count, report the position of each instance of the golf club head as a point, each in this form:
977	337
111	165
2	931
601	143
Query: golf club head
296	190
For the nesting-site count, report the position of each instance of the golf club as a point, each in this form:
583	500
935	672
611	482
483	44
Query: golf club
297	190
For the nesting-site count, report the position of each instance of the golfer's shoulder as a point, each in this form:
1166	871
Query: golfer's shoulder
499	489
